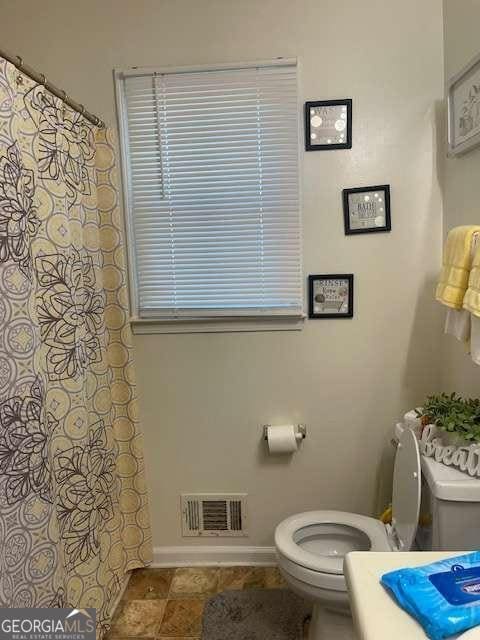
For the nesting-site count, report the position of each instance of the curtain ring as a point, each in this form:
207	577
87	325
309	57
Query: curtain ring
20	63
43	79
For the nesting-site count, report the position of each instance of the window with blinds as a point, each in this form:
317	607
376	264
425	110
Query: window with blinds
211	164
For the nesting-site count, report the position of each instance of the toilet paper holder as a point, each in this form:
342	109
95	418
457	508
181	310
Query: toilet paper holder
301	428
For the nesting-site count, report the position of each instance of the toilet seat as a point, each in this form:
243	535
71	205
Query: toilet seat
311	546
319	540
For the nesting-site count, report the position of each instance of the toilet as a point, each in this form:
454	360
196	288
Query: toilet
311	546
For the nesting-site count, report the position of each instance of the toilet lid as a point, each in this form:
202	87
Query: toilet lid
406	490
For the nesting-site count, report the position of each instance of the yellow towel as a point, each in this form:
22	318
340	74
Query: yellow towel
457	261
471	301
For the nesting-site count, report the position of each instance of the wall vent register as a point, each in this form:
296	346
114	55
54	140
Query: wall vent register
210	161
214	514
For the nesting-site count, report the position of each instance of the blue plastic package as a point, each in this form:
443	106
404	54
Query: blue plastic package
443	596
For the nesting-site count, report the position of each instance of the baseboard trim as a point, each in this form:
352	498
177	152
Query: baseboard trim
227	556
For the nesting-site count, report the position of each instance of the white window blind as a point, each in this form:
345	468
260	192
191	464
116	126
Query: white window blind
212	163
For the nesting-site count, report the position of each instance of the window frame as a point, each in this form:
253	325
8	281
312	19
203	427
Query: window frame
206	322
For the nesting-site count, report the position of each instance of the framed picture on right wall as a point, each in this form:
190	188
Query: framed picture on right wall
464	109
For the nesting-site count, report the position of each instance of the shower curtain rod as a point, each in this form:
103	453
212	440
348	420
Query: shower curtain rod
41	79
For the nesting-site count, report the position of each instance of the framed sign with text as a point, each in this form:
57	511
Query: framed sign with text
367	209
328	125
330	296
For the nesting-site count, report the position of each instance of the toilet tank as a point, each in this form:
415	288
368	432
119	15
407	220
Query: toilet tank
450	509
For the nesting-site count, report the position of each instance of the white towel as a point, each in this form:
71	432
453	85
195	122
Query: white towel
475	339
458	324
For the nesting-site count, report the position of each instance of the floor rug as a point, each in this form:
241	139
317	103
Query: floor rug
263	614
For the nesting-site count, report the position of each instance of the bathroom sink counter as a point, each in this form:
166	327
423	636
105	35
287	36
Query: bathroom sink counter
375	613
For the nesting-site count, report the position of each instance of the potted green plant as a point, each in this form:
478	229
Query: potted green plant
457	417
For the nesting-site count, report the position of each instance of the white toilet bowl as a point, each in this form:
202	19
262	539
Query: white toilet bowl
311	546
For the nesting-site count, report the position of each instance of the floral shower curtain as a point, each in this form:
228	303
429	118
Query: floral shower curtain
73	501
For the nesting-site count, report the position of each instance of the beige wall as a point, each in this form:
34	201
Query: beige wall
461	184
204	397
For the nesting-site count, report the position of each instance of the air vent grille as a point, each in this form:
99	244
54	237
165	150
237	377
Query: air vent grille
193	515
236	515
214	514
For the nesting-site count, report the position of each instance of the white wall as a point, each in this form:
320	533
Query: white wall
204	397
461	190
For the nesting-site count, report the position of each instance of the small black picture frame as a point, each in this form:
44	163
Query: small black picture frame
334	128
337	292
367	210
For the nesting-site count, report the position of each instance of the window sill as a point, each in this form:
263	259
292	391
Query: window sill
217	325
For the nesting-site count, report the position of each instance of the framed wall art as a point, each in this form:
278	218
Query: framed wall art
330	296
464	109
328	125
367	209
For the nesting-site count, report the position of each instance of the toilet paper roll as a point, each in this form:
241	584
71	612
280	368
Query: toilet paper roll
283	438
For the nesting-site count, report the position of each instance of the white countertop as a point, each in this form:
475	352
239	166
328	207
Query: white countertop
376	615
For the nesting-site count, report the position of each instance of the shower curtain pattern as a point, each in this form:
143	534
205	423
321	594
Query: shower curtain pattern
73	500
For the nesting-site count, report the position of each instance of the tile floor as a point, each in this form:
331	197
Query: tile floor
168	603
